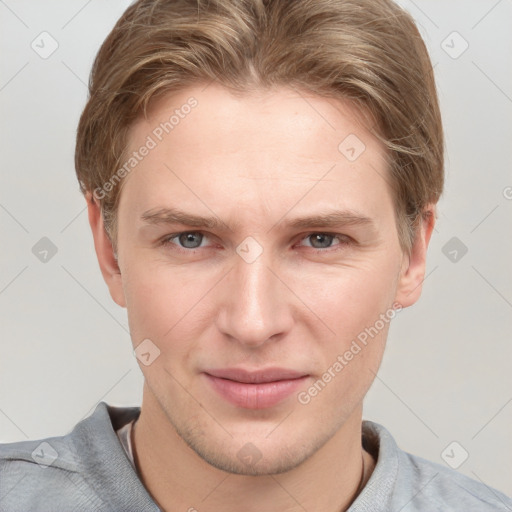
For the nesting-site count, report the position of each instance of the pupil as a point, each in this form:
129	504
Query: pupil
322	238
187	240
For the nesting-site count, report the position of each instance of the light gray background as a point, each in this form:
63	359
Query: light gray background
64	344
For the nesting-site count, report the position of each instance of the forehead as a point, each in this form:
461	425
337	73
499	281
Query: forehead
275	119
266	150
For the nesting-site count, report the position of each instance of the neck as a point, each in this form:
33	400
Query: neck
178	479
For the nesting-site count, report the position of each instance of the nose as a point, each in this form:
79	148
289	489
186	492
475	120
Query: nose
256	305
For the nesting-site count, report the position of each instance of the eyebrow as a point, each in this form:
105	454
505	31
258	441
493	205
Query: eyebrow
324	219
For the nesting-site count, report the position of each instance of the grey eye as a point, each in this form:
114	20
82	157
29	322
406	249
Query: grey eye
190	239
321	240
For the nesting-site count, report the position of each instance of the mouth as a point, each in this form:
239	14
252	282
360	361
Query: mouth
258	389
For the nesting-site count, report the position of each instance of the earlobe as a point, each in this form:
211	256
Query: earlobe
104	251
413	268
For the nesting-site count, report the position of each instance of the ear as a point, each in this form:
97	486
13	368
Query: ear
105	252
413	267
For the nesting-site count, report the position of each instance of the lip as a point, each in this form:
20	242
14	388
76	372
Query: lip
258	389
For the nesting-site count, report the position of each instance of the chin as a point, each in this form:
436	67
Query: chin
253	455
250	461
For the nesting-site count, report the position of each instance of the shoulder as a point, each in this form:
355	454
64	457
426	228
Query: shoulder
48	467
58	472
447	489
416	484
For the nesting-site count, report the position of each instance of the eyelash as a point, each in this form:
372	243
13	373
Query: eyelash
344	240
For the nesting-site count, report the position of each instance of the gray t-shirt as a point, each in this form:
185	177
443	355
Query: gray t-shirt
89	470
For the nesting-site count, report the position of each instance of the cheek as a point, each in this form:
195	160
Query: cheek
348	298
170	305
348	370
356	304
157	299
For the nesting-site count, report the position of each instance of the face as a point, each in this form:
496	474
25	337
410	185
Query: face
256	314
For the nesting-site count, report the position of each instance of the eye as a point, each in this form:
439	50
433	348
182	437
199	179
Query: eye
321	241
188	241
185	239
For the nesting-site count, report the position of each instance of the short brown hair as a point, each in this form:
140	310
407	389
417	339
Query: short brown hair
367	51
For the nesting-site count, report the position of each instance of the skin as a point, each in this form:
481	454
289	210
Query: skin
256	160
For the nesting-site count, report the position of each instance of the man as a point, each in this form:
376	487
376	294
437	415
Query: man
261	180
